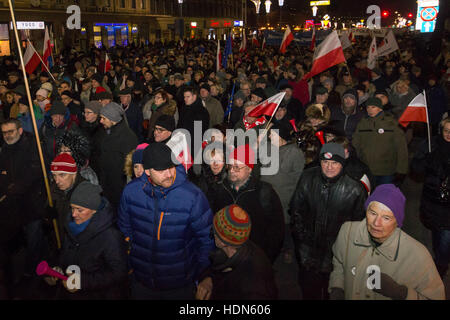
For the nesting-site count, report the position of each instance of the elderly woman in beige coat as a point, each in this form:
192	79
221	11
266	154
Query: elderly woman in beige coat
375	260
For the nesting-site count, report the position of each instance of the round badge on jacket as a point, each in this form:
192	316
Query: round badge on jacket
381	131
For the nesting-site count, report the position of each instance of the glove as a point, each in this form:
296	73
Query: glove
391	289
337	294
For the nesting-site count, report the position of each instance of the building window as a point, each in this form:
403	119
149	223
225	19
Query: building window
143	4
122	3
133	4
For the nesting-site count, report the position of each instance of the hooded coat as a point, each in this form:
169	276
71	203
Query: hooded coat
401	257
100	252
168	231
344	122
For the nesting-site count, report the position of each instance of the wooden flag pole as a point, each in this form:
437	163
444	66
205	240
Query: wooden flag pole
33	118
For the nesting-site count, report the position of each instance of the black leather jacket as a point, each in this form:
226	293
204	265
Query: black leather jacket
318	209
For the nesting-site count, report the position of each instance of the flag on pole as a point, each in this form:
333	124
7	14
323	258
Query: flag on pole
107	63
287	39
31	59
255	41
230	104
328	54
415	111
373	54
268	107
388	45
351	37
218	62
263	43
226	52
178	145
345	40
47	52
243	46
313	40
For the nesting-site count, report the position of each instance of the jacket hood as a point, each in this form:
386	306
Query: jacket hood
352	92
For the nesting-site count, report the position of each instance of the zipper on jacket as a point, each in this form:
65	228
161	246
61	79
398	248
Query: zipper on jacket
160	223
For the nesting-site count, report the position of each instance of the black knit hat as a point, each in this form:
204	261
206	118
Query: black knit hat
87	195
206	87
157	156
260	93
57	108
166	121
97	77
374	102
125	91
283	130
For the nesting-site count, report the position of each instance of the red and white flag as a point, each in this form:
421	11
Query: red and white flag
415	111
243	46
287	39
313	40
107	63
47	52
255	41
345	40
178	145
373	54
388	45
263	43
268	107
31	59
328	54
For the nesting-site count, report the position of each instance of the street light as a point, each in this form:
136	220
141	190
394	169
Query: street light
180	2
268	3
280	3
257	4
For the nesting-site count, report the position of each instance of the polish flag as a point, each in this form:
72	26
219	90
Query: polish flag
373	54
328	54
255	41
313	40
268	107
178	145
287	39
107	63
31	60
263	43
243	43
47	56
415	111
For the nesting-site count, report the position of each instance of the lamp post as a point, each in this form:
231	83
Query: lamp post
257	4
280	3
267	3
180	2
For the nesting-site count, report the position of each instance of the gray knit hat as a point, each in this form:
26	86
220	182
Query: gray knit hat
333	151
113	112
95	106
87	195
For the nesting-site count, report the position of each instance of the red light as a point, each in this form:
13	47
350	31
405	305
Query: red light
385	13
410	15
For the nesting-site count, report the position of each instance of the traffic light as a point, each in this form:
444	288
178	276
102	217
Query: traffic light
385	14
410	15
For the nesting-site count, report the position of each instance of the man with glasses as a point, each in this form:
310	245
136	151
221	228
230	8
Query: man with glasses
257	198
22	194
324	199
164	126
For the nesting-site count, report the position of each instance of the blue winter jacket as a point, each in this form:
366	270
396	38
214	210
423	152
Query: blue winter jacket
169	231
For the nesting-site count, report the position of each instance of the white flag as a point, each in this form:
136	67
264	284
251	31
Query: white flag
373	54
345	40
388	45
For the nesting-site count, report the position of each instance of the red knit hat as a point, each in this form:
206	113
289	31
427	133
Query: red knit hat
63	163
244	154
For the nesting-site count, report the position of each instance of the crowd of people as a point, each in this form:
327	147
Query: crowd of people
142	225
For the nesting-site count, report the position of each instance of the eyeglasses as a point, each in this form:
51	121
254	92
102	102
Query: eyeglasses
235	168
5	133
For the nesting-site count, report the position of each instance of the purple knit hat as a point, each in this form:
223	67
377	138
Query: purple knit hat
391	197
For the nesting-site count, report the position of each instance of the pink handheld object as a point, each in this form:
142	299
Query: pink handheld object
44	269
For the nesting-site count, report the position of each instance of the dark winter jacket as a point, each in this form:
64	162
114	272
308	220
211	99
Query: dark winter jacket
346	123
437	104
21	177
135	119
168	230
318	209
100	252
263	205
194	112
295	109
251	276
90	129
435	204
113	147
207	181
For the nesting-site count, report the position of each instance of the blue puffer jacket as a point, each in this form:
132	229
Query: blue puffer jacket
169	231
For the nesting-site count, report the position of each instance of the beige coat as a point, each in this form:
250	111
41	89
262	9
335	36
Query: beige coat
403	258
